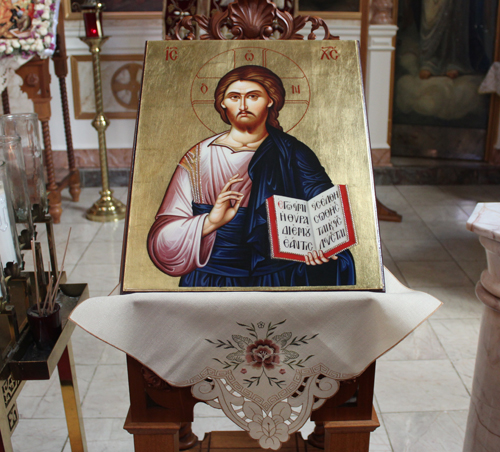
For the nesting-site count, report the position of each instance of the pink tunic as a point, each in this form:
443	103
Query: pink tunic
175	241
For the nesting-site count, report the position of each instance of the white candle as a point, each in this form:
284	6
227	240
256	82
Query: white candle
7	248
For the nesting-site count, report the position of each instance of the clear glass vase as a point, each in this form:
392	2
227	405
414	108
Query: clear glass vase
9	243
11	152
26	126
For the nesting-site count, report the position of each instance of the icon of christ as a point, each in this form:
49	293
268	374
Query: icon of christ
211	228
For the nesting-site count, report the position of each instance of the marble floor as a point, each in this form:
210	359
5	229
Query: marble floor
423	385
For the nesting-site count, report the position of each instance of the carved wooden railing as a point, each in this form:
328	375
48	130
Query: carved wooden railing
175	10
249	19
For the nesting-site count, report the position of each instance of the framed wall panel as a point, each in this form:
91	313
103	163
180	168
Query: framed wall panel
121	80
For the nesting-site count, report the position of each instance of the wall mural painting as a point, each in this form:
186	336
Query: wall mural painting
329	5
133	5
27	28
221	5
444	49
119	8
16	18
251	170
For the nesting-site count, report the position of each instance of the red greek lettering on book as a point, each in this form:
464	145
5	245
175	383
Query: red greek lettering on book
298	227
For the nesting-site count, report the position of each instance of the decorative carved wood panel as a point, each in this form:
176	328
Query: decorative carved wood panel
175	10
249	19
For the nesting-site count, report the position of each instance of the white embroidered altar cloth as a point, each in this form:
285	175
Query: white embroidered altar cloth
248	353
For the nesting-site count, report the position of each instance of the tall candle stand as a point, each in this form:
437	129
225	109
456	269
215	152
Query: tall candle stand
107	208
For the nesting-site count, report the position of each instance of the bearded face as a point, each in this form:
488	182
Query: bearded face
246	104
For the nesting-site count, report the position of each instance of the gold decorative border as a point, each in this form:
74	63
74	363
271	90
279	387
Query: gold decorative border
13	418
75	59
137	15
9	389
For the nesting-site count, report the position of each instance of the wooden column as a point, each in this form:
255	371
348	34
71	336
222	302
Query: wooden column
60	59
36	84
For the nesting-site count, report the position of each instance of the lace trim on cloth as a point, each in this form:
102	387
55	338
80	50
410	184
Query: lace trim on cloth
269	428
191	163
266	360
8	68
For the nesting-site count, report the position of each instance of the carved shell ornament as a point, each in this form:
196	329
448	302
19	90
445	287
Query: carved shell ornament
252	19
249	19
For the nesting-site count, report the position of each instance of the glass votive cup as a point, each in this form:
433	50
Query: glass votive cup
9	242
26	126
11	152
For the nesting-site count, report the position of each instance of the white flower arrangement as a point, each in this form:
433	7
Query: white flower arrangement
36	35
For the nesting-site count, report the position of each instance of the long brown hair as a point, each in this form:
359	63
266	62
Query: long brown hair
261	75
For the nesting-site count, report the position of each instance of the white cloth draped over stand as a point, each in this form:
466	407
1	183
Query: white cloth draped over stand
8	67
248	353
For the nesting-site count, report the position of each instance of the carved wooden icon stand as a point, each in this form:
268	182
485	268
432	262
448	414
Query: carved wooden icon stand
160	418
160	415
36	84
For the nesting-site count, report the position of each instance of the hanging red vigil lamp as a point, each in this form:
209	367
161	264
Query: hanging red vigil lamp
92	18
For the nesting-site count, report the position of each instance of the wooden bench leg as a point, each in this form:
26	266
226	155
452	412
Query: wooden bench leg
55	205
74	186
154	436
156	443
187	439
350	436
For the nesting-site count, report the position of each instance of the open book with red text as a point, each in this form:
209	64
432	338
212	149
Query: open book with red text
297	227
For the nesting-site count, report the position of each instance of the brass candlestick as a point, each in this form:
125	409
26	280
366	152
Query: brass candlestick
107	208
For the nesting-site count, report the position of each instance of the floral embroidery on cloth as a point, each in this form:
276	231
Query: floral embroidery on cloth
265	353
267	356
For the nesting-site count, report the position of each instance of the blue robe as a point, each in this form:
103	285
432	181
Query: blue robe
241	255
